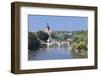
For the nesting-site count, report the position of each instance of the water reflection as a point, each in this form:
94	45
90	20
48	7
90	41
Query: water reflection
52	53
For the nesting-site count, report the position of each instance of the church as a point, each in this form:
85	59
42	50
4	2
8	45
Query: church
48	30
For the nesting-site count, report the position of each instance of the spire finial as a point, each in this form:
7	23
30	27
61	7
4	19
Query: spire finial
48	26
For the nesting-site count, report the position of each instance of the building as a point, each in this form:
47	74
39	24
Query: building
48	30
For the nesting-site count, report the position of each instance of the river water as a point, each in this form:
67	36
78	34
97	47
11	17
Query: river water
52	54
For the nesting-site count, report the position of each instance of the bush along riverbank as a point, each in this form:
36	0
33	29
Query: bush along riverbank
79	42
35	38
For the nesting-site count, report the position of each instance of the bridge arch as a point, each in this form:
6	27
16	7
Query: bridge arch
57	43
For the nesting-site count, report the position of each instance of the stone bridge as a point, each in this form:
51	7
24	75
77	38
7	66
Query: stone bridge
55	43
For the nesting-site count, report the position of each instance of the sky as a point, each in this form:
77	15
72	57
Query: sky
57	23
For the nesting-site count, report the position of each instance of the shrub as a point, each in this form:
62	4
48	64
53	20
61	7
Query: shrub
33	42
42	35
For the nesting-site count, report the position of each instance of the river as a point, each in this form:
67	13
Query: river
52	54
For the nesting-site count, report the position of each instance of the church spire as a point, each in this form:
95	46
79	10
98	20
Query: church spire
48	27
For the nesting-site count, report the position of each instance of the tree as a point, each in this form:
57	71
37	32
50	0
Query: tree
42	35
79	40
66	36
53	35
33	42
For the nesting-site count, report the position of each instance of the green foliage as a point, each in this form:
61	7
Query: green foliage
60	35
65	36
42	35
79	40
33	42
53	35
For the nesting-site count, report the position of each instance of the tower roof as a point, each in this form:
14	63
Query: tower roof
48	27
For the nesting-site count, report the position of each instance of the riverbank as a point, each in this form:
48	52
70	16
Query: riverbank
83	53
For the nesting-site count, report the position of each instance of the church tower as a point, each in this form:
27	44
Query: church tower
48	30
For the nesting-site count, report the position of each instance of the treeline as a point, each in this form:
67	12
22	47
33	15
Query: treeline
33	41
78	39
35	38
60	35
79	42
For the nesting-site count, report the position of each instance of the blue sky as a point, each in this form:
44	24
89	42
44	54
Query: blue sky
57	23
